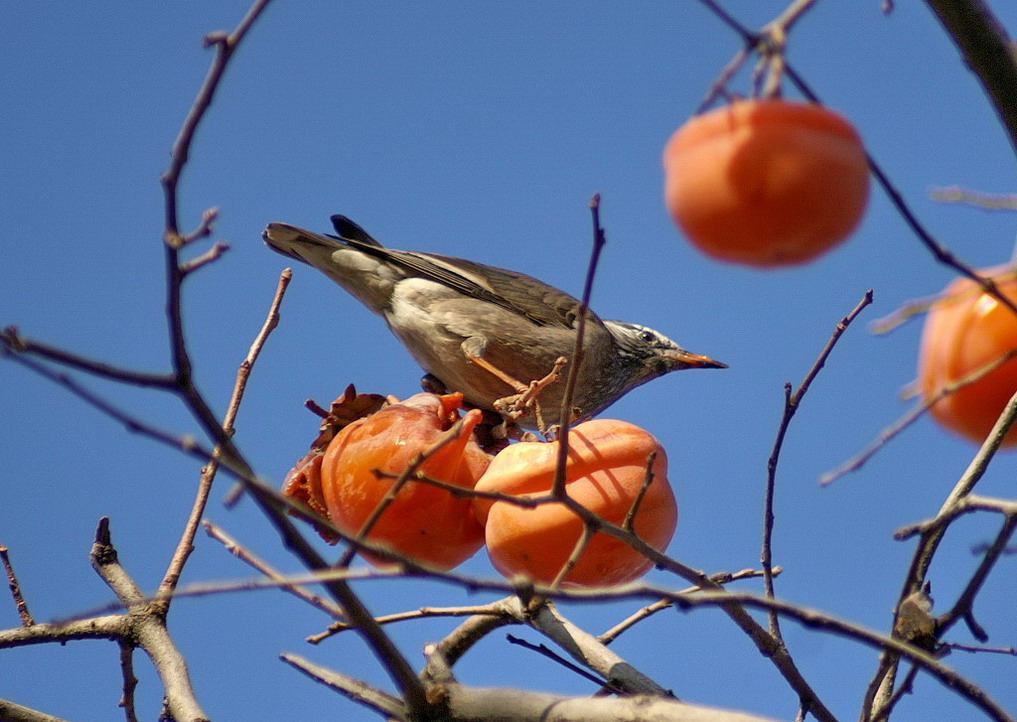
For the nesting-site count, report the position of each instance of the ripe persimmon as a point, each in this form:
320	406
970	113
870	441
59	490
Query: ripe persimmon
423	522
606	471
966	330
766	182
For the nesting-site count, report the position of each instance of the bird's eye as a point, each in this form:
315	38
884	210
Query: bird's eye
647	336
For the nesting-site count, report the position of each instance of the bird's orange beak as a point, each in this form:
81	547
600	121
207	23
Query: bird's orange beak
695	361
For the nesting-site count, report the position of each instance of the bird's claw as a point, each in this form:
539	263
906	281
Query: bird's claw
525	402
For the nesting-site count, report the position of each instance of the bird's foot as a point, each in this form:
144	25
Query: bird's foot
525	402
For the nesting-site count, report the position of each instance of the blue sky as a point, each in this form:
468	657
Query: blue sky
475	130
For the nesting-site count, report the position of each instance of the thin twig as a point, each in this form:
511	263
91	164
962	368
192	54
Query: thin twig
233	586
719	87
545	651
903	689
582	543
648	611
15	587
940	252
14	343
212	254
130	681
881	685
964	505
576	362
422	613
204	229
890	432
791	15
988	650
186	544
911	309
963	607
747	35
630	517
354	689
791	403
186	444
251	559
523	500
225	46
442	655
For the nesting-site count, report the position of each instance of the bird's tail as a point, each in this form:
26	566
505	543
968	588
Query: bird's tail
354	260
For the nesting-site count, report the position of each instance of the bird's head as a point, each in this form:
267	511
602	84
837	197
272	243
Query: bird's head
647	354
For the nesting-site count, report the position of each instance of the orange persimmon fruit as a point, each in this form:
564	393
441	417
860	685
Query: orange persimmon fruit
966	330
766	182
423	522
606	470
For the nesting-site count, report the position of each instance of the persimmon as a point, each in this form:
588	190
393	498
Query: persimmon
966	330
766	182
606	471
303	483
423	522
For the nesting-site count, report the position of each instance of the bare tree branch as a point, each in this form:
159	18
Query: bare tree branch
11	712
491	704
351	688
145	626
880	689
987	50
186	544
14	343
248	557
791	403
15	587
591	652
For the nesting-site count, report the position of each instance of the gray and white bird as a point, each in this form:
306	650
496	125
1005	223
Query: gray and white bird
484	331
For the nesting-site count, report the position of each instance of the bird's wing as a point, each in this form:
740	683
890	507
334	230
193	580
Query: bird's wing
348	229
543	305
517	292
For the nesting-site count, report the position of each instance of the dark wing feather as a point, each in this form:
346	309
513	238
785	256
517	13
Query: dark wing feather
347	229
544	305
541	304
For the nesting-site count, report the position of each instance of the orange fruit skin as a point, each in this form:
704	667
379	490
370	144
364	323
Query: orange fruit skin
605	472
766	182
965	331
424	523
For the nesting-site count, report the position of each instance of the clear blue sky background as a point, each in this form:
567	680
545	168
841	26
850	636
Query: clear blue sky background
477	130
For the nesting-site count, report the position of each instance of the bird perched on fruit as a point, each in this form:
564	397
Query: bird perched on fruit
488	332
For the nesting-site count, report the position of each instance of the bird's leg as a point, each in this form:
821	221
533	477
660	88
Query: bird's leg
528	396
519	404
519	386
474	347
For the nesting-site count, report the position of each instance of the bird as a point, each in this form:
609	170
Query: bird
497	336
